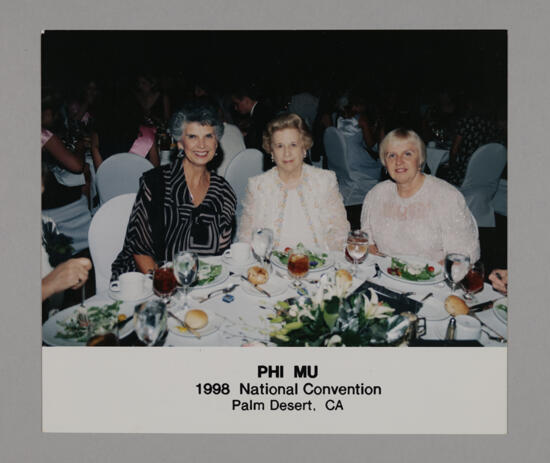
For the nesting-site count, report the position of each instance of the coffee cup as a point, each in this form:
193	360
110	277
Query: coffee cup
131	285
239	253
467	328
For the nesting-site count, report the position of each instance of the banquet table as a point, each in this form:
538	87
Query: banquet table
244	321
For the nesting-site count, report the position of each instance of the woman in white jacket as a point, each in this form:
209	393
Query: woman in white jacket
298	202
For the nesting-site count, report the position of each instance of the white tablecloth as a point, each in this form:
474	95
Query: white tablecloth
244	321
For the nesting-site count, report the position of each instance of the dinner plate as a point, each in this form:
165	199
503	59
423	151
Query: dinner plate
329	262
214	323
275	286
439	275
51	327
502	315
224	274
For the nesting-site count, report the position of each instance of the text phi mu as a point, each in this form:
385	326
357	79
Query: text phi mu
277	371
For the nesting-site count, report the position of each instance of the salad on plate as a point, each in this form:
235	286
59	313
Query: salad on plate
101	318
413	269
316	259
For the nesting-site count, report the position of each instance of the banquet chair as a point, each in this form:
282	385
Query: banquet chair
248	163
434	157
500	202
106	236
481	182
119	174
335	149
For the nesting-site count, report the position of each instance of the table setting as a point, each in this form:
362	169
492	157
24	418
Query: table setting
254	295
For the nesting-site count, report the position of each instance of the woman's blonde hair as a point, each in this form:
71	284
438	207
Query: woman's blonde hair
286	121
402	135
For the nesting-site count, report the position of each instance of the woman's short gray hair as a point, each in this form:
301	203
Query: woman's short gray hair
202	113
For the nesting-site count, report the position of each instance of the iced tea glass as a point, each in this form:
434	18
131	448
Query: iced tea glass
298	266
473	281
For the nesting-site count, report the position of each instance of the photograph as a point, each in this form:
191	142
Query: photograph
276	188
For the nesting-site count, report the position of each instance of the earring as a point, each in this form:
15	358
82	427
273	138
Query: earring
272	159
180	154
305	154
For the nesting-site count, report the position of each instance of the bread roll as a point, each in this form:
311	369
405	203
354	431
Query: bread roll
196	319
456	306
343	279
257	275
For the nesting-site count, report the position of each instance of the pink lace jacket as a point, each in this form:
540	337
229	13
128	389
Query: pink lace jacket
433	222
319	196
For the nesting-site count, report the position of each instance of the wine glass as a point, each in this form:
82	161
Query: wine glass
473	282
456	268
186	268
262	242
298	266
150	321
357	247
164	282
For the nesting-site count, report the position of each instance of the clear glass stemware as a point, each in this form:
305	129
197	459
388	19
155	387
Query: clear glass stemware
456	268
357	246
262	243
150	321
186	268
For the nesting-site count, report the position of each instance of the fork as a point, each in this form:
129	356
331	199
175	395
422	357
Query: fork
218	291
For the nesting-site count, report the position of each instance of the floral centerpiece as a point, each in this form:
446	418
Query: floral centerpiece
332	318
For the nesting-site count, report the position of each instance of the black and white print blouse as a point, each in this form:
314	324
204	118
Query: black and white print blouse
205	229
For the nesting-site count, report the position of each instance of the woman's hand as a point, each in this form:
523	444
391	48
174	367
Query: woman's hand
499	280
72	273
144	263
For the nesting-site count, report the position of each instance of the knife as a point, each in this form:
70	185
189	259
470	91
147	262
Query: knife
483	306
263	291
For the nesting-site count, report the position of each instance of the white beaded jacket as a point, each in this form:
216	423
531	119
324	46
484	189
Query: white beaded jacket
321	202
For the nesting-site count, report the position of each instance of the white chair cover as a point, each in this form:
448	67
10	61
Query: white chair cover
434	157
73	220
248	163
353	191
481	181
120	174
500	202
106	236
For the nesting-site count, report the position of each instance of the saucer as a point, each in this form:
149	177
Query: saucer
229	261
146	294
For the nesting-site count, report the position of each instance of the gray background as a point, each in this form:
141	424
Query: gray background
20	331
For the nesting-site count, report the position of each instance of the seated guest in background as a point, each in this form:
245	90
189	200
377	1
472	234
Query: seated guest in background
413	213
154	104
499	280
473	130
300	203
361	152
123	129
63	179
248	103
59	271
181	206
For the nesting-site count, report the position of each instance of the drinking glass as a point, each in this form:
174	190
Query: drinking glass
186	268
150	321
456	268
357	247
262	243
164	282
473	282
298	266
